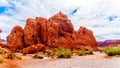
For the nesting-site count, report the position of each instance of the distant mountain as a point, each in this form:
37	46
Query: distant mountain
108	43
4	41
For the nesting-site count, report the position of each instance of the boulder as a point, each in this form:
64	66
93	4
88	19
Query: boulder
33	49
15	40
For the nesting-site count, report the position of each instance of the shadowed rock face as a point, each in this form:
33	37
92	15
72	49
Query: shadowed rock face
57	31
42	33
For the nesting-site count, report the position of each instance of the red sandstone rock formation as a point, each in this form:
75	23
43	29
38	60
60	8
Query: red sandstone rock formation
0	31
3	47
64	22
30	32
15	40
55	32
42	22
33	48
86	38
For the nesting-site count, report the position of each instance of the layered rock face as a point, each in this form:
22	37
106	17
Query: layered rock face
55	32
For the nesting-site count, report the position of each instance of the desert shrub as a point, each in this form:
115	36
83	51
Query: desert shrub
12	55
18	57
63	53
84	52
89	52
43	50
81	53
38	56
50	54
1	60
112	51
1	51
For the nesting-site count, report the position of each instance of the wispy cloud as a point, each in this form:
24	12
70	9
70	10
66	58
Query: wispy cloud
101	16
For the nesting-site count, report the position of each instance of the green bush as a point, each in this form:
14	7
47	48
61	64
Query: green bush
38	56
1	51
49	54
12	55
89	52
63	53
112	51
81	53
1	60
84	52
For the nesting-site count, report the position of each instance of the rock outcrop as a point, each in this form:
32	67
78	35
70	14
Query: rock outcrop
15	40
42	22
30	32
0	31
3	47
64	22
55	32
81	39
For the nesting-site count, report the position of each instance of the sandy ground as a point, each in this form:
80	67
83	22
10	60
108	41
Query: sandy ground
98	60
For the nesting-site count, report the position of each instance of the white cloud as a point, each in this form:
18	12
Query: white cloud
3	2
93	14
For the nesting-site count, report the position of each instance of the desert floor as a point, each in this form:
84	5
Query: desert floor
97	60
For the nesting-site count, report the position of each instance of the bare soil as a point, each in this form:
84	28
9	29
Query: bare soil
97	60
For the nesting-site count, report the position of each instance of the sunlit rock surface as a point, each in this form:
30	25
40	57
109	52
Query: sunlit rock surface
55	32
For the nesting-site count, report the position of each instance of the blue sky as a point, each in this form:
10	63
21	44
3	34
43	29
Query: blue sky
101	16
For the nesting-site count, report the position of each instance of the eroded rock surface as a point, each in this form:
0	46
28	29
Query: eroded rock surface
30	32
55	32
42	23
15	40
33	48
64	22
